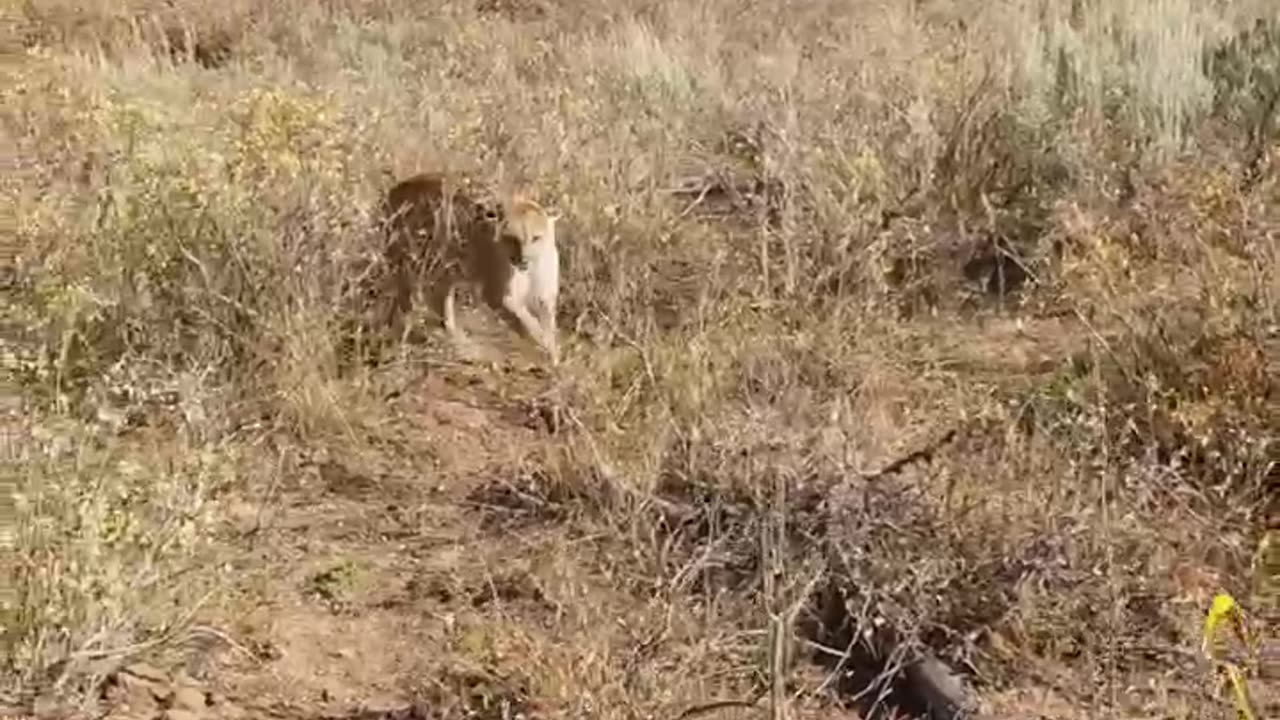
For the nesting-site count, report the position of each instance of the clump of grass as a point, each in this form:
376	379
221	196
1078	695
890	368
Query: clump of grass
109	541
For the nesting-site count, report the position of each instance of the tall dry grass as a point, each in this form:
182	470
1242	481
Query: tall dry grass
800	242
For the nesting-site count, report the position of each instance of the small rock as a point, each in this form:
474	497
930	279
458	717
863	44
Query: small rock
180	714
163	694
182	677
231	712
46	706
138	691
189	698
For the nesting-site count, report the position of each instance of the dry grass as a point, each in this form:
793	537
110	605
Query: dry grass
802	244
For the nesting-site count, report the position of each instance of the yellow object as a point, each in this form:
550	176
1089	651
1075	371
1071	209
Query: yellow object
1225	609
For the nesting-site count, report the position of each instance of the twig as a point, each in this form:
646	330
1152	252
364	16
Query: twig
220	635
706	189
698	710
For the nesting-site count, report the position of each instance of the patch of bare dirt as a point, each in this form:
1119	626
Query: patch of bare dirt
355	572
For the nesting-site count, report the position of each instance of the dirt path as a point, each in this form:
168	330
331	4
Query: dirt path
370	560
357	582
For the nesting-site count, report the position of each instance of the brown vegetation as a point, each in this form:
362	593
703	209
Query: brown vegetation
914	355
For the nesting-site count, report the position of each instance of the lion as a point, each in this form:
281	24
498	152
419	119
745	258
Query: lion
439	234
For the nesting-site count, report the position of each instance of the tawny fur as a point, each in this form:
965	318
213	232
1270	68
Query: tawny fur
441	237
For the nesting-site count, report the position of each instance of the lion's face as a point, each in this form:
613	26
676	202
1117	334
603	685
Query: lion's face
526	229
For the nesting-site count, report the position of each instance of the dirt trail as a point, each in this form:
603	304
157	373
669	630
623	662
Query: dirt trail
353	576
379	582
